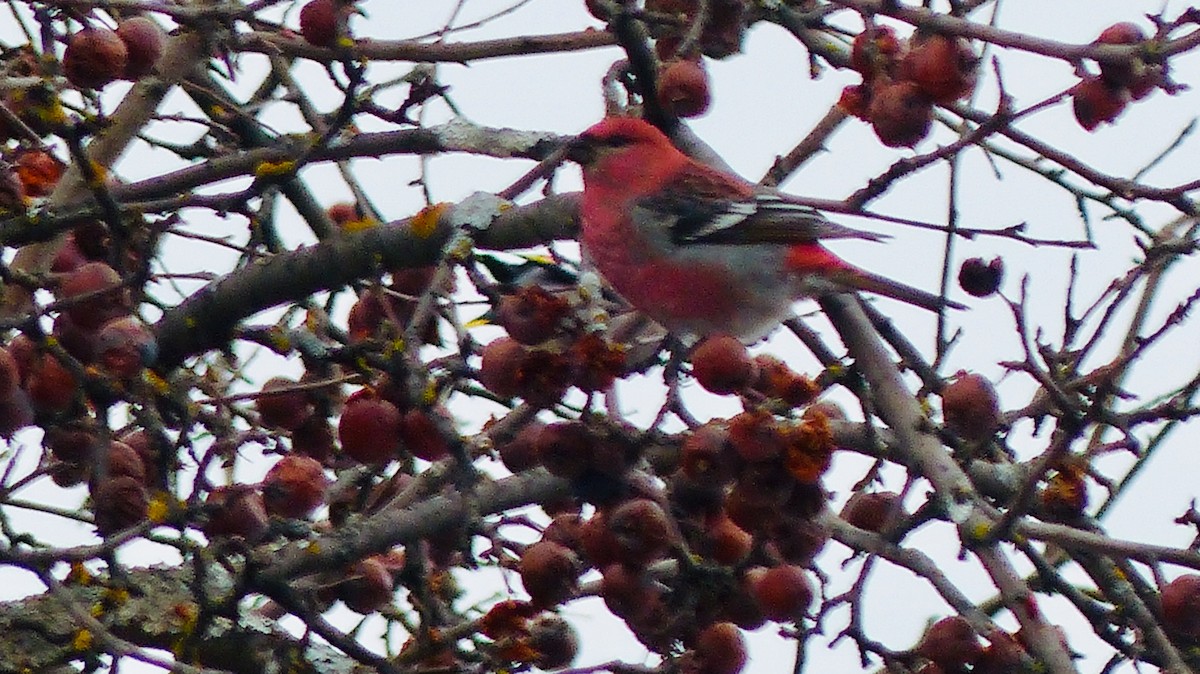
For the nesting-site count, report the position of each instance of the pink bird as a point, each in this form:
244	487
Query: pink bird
704	252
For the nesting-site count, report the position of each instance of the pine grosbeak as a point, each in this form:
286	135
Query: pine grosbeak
701	251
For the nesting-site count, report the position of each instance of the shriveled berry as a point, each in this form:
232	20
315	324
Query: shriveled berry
721	649
550	573
1181	605
1122	73
94	57
971	407
777	380
683	88
873	510
368	586
144	39
119	503
722	365
236	510
783	592
532	315
642	530
1097	102
979	278
705	457
554	641
294	487
50	385
951	642
876	52
725	542
900	113
943	67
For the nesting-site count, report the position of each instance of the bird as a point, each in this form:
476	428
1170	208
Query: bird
702	251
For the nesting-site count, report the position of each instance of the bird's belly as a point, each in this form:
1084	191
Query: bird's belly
695	291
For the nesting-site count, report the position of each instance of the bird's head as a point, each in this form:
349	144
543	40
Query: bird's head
615	135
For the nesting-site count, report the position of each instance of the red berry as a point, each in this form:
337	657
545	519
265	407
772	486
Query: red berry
683	88
281	405
783	592
943	67
236	510
550	573
294	487
900	113
94	57
1097	102
872	511
343	213
554	641
721	649
777	380
722	365
726	542
322	22
971	407
951	643
642	530
50	385
144	39
854	100
532	315
125	345
369	429
500	371
1181	605
979	278
95	295
1128	72
10	374
368	586
626	590
705	457
39	172
119	503
876	52
600	546
422	437
566	448
520	452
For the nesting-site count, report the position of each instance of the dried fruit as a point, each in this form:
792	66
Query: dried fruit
144	41
550	573
900	113
369	429
1097	102
683	88
783	592
951	643
980	279
722	365
294	487
1181	605
943	67
873	510
94	57
971	407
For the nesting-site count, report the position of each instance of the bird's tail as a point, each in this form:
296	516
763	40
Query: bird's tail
880	285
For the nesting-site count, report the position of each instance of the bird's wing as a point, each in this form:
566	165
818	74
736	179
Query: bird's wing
707	206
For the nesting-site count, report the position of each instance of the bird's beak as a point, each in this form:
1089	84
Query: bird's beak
581	150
